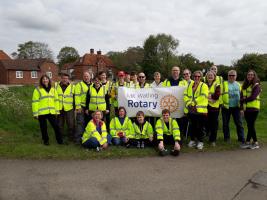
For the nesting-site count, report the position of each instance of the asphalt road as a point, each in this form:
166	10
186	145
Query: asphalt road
220	175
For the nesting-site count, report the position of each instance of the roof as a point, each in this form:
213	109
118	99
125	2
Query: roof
89	60
24	64
4	56
93	59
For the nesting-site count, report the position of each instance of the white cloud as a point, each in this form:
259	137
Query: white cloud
220	31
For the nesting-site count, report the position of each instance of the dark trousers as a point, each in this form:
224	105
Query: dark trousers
182	123
226	114
212	125
80	125
167	140
198	123
43	126
68	117
250	119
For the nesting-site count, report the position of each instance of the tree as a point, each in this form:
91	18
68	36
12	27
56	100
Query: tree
129	60
159	53
255	61
67	55
34	50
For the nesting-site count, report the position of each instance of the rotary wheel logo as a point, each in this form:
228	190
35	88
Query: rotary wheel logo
169	102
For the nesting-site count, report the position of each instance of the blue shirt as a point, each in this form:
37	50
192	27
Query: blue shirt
234	94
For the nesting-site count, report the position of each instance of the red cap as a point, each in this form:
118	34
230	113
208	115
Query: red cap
121	73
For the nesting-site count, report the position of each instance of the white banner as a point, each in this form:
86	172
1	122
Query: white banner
152	100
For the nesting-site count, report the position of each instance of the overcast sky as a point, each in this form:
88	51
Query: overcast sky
216	30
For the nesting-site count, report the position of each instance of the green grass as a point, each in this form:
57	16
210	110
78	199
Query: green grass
20	134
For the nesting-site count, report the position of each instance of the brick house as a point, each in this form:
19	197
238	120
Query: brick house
26	71
91	62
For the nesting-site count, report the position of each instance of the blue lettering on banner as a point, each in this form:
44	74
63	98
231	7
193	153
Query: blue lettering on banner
141	104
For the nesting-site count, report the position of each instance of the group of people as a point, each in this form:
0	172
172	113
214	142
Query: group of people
86	106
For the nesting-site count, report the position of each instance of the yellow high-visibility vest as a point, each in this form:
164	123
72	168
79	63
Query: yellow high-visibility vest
126	127
212	89
114	92
251	104
146	133
225	94
66	97
44	102
80	94
162	129
90	131
199	98
97	99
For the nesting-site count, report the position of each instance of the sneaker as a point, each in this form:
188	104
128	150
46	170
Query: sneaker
163	152
142	145
138	145
192	144
245	146
200	145
98	149
128	145
254	146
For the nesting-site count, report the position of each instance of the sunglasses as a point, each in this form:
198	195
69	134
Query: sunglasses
186	74
141	77
197	76
231	75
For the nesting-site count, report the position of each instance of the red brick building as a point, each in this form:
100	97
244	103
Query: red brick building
25	71
91	62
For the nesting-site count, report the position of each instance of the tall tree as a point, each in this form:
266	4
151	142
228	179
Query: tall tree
129	60
159	53
255	61
34	50
67	55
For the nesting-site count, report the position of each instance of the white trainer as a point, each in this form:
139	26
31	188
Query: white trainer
192	144
200	145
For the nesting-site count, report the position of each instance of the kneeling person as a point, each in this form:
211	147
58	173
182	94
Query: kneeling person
95	135
168	132
143	130
121	128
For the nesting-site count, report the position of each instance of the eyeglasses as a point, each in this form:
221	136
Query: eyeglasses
197	76
141	77
186	74
231	75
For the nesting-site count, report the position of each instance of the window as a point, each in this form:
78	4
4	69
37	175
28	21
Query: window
34	74
19	74
49	74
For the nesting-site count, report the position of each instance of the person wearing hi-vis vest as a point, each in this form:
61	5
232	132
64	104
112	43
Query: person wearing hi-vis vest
250	103
213	106
143	131
45	106
96	135
121	129
168	133
231	106
65	90
114	90
196	103
97	99
107	84
81	89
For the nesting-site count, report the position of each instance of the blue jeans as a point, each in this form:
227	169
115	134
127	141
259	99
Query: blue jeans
226	114
92	143
118	141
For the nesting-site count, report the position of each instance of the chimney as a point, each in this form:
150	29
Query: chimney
98	52
92	51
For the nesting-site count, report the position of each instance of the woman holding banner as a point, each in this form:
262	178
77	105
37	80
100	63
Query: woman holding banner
196	102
